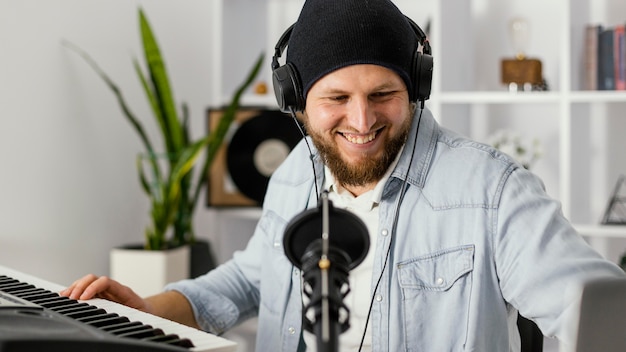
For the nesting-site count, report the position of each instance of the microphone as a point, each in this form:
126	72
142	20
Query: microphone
326	243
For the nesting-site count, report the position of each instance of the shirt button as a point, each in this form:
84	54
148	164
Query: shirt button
384	232
291	330
276	244
440	281
379	298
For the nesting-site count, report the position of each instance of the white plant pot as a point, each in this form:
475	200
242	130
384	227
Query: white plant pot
147	272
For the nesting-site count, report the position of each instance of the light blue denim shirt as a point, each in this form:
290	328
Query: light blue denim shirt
477	239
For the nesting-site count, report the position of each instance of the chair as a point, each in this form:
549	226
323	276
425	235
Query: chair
530	335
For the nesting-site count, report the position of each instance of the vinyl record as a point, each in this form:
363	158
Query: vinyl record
257	148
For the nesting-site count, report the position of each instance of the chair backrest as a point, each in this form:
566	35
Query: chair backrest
530	335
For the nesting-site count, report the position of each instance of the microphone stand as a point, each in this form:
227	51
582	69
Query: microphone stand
325	263
325	271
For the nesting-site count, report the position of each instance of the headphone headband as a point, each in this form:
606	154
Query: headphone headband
288	89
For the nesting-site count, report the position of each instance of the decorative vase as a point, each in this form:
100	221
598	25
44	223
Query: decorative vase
201	258
147	271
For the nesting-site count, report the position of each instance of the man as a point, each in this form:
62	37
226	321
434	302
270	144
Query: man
462	237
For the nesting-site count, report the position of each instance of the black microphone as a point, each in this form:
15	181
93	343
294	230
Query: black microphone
326	243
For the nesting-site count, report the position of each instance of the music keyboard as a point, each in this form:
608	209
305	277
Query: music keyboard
111	318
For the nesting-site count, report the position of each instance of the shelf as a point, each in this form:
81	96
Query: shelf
607	231
598	96
485	97
503	97
243	213
257	100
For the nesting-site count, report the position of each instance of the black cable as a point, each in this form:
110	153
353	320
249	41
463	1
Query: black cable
395	223
311	156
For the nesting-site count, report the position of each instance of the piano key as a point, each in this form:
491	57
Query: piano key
143	332
53	301
70	308
24	291
87	312
95	317
108	321
15	287
124	331
39	295
120	326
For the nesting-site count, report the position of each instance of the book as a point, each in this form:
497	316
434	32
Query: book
606	60
592	32
619	56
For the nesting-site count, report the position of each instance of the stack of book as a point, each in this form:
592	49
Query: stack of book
605	57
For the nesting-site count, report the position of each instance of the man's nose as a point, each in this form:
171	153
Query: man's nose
361	115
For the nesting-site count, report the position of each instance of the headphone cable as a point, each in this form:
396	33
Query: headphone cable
393	228
311	156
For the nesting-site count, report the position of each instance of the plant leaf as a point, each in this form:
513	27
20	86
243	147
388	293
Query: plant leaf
116	91
161	85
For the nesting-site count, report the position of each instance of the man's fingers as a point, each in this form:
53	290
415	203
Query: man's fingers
101	284
86	287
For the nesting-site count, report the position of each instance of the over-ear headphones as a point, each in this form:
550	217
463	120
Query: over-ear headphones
289	91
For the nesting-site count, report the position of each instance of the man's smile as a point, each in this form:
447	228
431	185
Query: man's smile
360	138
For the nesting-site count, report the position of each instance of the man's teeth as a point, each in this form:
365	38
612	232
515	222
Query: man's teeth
360	139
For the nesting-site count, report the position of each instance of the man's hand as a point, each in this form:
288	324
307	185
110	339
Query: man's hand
171	305
92	286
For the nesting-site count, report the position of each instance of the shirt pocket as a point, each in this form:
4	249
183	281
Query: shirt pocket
436	271
436	292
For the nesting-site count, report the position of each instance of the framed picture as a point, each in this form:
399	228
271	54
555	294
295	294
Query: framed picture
258	141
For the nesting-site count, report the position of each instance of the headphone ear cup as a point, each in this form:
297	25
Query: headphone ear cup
423	76
287	89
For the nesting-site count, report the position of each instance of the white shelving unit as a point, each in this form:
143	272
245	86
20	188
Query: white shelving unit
582	132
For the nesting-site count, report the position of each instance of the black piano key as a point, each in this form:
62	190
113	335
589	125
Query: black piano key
4	279
49	300
63	302
16	287
55	302
172	340
70	308
7	284
111	320
87	319
182	342
167	338
125	331
88	311
33	292
121	326
148	331
25	291
43	294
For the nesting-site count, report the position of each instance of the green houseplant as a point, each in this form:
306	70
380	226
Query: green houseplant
168	177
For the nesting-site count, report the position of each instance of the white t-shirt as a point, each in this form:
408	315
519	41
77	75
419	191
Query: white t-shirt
358	299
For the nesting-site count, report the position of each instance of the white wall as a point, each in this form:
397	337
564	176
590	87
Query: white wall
68	183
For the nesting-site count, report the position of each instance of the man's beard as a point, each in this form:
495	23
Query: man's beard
368	169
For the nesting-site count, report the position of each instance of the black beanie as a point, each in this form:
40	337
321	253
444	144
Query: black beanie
331	34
